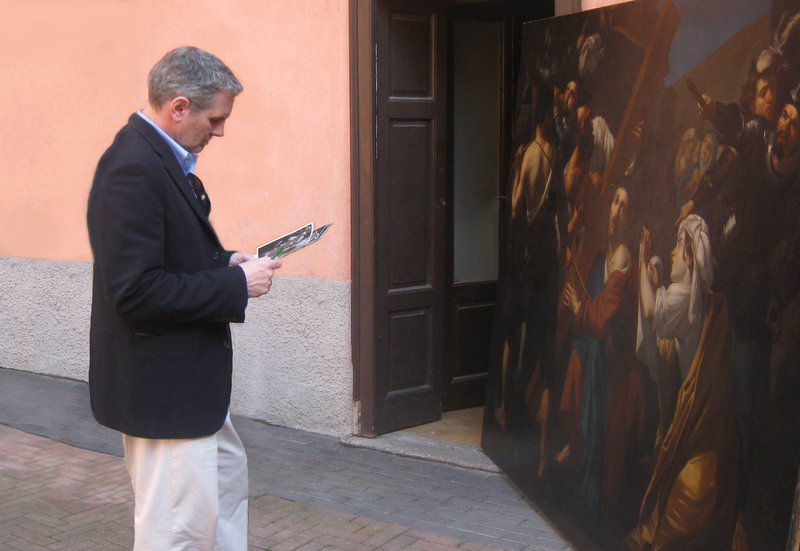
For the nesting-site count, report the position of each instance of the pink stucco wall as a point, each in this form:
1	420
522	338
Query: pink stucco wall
74	71
591	4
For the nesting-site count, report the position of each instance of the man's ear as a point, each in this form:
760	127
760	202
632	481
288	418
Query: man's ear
179	107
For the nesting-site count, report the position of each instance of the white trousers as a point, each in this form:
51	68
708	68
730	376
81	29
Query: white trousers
190	494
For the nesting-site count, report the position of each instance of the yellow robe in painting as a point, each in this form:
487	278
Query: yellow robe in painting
691	500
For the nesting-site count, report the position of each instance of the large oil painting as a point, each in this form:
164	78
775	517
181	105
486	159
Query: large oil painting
645	374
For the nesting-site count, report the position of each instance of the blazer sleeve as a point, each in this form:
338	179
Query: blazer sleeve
156	265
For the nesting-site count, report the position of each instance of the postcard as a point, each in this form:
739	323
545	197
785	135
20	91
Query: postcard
292	241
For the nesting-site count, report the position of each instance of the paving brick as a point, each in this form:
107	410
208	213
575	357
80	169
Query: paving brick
471	546
379	535
307	491
435	538
400	542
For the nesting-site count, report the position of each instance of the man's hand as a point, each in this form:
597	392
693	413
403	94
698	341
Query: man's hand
645	246
258	273
570	299
575	221
239	258
707	109
636	132
652	272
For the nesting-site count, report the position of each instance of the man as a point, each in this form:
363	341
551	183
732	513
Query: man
777	400
739	126
603	400
759	215
532	281
760	99
163	294
585	165
578	127
565	105
745	198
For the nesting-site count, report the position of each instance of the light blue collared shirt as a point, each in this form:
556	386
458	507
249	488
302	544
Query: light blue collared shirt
185	159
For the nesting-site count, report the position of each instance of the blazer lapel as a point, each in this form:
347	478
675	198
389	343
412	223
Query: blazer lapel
172	167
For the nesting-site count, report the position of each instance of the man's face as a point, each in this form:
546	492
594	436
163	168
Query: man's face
584	121
680	263
534	99
570	96
788	131
764	102
619	215
685	151
198	126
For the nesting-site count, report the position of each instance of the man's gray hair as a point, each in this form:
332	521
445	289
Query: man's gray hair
192	73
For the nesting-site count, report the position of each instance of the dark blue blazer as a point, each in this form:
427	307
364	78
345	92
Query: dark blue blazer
162	296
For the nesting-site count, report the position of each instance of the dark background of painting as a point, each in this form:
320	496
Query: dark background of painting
714	44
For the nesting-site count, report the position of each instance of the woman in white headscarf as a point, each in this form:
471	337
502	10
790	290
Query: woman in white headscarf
675	312
691	500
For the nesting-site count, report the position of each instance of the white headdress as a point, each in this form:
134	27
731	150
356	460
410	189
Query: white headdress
703	267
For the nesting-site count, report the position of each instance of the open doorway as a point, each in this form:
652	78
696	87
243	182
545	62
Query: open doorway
432	98
481	71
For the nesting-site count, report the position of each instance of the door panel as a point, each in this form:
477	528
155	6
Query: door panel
409	199
411	64
469	331
410	217
410	348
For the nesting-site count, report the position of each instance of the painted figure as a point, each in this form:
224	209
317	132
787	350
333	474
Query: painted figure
530	290
775	400
600	433
691	500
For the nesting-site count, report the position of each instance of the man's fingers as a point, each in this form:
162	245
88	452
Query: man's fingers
258	274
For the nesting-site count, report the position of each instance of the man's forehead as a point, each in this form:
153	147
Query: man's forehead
220	107
768	82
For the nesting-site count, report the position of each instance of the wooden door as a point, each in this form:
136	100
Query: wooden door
409	224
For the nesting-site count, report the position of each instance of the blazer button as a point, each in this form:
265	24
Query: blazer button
226	344
215	256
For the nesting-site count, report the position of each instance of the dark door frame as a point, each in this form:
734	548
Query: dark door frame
362	170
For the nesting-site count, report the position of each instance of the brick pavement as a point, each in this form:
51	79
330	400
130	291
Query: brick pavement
67	487
59	497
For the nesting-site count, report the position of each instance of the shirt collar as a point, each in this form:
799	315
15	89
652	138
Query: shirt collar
185	159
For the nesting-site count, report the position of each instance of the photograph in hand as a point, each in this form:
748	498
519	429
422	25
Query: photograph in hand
292	241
